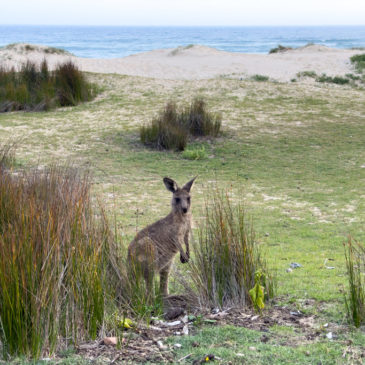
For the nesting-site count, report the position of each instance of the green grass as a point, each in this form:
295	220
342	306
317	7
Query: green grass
294	151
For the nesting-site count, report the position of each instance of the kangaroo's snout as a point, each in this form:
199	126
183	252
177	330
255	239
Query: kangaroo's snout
185	210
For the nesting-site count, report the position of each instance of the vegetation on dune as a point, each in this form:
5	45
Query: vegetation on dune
279	49
172	128
36	88
359	62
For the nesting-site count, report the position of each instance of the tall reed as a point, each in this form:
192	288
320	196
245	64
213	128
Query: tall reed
226	256
355	297
53	249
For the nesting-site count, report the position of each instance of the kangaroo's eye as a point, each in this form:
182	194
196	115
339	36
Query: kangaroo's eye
188	199
177	200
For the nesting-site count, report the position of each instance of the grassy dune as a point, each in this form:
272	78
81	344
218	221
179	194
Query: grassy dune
294	151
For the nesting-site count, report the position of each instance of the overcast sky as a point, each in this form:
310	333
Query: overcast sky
183	12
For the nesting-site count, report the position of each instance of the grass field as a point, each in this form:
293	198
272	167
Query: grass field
294	152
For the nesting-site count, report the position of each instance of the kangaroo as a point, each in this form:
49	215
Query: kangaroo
155	246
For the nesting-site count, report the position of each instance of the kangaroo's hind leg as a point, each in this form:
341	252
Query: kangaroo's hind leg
164	280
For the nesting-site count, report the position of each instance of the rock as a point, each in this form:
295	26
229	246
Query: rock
289	270
161	346
252	348
295	265
329	335
110	341
185	330
171	324
178	345
185	319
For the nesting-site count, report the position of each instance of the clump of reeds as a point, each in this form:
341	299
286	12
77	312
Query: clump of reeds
167	131
53	251
36	88
355	298
226	257
173	127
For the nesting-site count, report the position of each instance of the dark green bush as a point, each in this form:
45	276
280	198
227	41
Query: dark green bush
166	131
334	80
199	121
36	88
358	61
280	48
171	128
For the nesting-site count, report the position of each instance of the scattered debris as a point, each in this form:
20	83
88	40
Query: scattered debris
185	330
295	265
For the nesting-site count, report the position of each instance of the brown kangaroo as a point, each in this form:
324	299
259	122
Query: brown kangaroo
155	246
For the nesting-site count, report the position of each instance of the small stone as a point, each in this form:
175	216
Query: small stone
185	319
172	324
252	348
239	354
329	335
110	341
185	330
254	318
161	346
295	265
289	270
178	345
267	234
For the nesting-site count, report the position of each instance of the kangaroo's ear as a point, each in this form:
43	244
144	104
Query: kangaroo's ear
170	184
189	184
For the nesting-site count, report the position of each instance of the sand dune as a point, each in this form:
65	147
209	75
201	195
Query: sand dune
197	62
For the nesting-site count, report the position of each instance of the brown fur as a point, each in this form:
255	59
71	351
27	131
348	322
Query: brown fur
155	246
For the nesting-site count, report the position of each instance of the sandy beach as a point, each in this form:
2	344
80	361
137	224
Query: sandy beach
197	62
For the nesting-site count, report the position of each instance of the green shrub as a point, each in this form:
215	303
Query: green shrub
199	121
36	88
171	128
355	297
226	256
166	131
307	74
260	78
279	49
334	80
359	62
53	252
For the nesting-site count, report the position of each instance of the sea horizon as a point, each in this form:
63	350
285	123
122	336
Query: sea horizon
108	41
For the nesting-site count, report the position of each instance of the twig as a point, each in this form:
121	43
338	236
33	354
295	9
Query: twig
185	357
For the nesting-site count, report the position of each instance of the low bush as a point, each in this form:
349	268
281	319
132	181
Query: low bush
260	78
166	131
279	49
307	74
359	62
172	127
227	267
53	252
355	297
36	88
334	80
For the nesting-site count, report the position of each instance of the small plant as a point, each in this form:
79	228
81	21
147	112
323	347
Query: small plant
260	78
195	153
355	298
279	49
227	260
359	62
311	74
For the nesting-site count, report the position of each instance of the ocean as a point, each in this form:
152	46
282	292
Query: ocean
111	42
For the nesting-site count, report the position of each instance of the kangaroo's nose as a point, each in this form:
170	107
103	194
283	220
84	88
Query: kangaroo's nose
185	210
